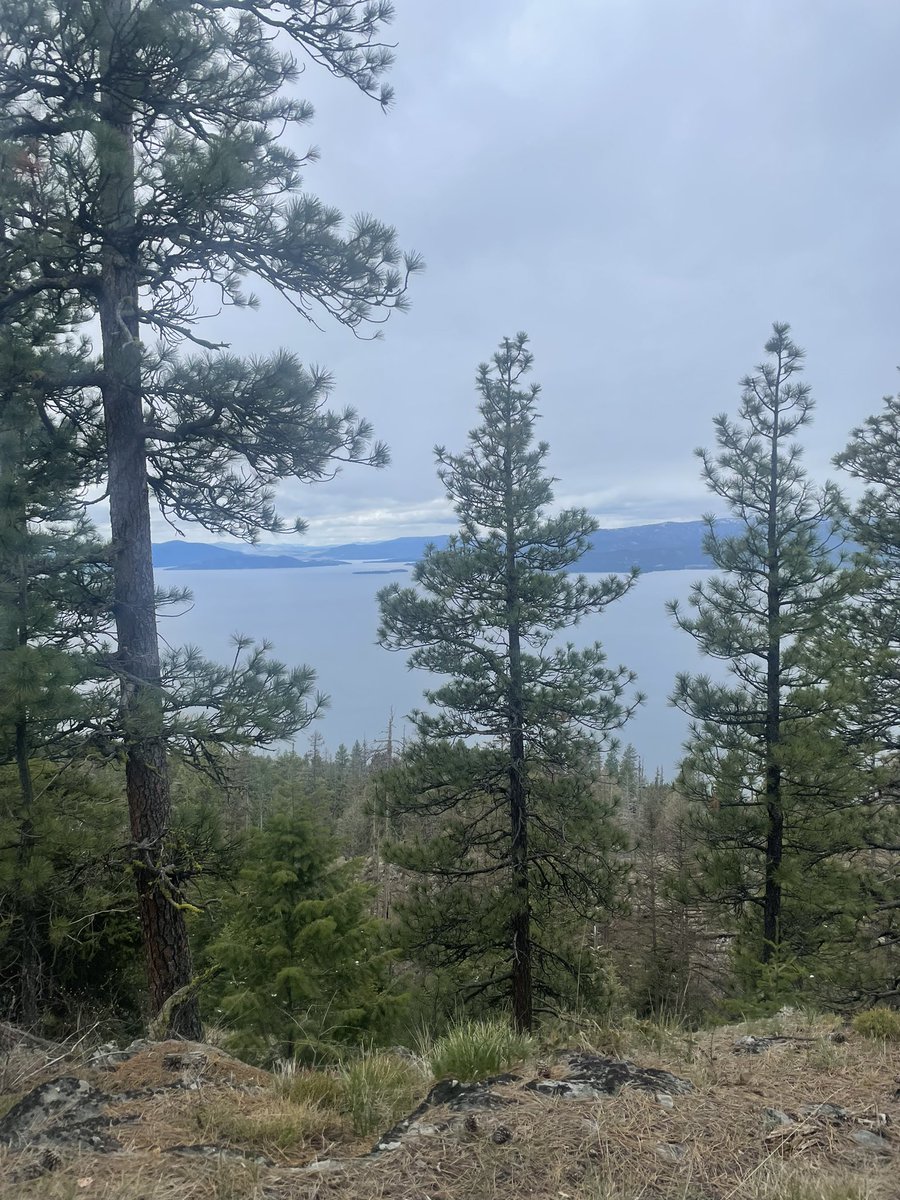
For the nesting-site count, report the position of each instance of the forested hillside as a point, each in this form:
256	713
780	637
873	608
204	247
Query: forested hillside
509	855
163	870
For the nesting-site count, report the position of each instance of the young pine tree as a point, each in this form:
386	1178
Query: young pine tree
506	835
304	965
772	785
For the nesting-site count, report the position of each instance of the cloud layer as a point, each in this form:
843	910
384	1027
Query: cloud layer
644	187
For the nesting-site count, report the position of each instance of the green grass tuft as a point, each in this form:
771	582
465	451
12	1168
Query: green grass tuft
369	1092
880	1022
473	1050
310	1086
378	1088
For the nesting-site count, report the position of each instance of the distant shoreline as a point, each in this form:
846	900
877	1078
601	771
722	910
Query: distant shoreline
664	546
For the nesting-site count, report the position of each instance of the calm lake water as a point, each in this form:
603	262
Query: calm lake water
327	617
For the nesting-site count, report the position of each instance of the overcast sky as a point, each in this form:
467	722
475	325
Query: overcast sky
643	186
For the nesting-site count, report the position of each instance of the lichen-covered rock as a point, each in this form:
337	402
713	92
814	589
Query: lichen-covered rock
63	1112
453	1095
214	1150
465	1097
759	1045
583	1076
775	1118
754	1045
108	1056
596	1075
832	1113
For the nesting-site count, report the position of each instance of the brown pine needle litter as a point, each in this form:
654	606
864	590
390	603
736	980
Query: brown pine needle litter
813	1119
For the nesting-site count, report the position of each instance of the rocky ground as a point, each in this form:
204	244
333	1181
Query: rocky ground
801	1112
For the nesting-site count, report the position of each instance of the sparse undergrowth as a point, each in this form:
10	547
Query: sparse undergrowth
275	1126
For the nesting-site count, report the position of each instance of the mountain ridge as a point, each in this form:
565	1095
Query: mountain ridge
659	546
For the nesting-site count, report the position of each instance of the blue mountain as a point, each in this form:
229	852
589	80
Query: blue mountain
665	546
199	556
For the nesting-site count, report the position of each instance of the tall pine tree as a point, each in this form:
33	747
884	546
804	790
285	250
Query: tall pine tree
868	636
873	456
763	762
154	133
506	833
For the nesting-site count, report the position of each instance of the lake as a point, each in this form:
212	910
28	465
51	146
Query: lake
327	617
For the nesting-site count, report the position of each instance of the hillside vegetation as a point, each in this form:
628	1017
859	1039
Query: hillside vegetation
507	891
792	1108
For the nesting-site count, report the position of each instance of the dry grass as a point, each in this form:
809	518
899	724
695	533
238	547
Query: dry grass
280	1129
159	1065
533	1148
115	1177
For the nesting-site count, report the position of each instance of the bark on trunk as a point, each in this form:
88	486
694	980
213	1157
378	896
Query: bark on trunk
520	924
773	797
520	921
30	965
163	928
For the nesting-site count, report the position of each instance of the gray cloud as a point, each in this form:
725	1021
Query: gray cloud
644	186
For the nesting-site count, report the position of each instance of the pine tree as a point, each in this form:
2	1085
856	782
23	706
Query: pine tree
153	135
304	963
55	603
508	837
867	636
873	456
774	790
658	938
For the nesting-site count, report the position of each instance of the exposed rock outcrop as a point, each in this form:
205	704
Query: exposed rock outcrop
576	1076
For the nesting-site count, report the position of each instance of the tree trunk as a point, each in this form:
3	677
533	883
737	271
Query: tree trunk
774	807
163	928
520	920
30	966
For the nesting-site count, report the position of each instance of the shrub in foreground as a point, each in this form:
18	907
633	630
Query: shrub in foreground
879	1022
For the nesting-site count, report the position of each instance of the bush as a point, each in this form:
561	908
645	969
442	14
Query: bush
473	1050
880	1022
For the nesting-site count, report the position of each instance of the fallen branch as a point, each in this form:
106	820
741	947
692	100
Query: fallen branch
11	1037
